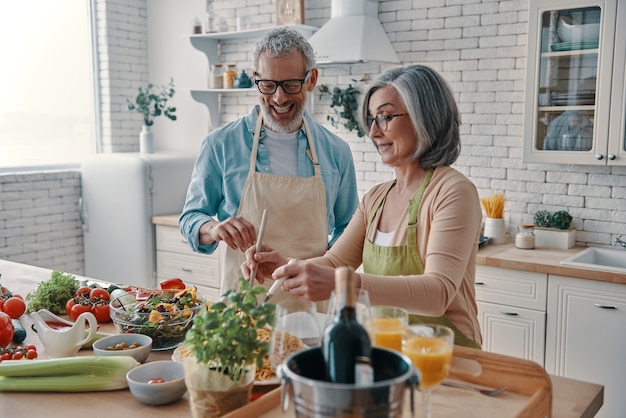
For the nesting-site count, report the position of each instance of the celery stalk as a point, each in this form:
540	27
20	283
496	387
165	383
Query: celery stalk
71	374
65	383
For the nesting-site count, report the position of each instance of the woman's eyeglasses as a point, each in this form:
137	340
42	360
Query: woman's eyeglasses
289	86
381	120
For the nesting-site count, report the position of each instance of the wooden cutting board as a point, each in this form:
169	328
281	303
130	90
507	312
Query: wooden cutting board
529	394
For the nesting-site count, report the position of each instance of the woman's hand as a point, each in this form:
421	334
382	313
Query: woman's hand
265	262
307	280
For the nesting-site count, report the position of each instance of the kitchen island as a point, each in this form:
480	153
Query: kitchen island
570	398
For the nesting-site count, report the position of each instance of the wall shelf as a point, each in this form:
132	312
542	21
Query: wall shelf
208	43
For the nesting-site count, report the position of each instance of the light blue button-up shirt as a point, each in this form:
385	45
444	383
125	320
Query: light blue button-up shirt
221	170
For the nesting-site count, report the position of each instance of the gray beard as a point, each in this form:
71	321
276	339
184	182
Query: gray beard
275	126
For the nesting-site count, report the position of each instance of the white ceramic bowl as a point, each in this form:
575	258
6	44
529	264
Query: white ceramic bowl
140	353
171	390
589	32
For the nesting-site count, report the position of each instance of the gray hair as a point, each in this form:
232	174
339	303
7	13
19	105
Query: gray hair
433	111
283	41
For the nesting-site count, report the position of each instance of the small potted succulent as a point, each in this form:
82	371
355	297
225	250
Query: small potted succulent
554	229
225	351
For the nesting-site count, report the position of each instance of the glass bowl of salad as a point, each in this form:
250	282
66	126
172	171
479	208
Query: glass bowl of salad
164	315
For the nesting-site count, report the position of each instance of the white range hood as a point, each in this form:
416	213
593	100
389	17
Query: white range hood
353	35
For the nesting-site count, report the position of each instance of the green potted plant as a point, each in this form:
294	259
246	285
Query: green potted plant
345	105
152	102
225	351
554	229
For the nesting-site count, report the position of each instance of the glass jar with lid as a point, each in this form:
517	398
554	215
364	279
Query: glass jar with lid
525	238
230	73
216	76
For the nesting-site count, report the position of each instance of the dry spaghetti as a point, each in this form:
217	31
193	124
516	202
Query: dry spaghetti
493	205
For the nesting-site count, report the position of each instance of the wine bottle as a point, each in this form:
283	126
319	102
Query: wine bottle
346	346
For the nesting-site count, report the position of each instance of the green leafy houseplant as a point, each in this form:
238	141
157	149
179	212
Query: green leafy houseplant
152	102
224	336
344	104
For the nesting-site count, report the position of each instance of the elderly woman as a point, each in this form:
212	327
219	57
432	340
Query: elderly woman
416	236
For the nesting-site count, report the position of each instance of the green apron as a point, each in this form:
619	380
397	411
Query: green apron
405	260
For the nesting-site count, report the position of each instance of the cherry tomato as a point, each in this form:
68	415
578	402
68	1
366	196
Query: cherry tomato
14	307
30	347
68	306
83	291
5	356
17	355
1	303
156	380
99	293
78	309
31	354
101	312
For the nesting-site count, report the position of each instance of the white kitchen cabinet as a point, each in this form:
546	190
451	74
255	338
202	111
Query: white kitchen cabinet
209	44
174	258
575	89
586	336
512	311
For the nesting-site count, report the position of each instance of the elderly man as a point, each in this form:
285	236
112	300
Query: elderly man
275	158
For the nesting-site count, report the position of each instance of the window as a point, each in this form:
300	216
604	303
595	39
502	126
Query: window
46	80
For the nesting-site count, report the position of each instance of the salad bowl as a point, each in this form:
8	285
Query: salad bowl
163	315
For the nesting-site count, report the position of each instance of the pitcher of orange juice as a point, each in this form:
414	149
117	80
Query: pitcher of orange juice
386	326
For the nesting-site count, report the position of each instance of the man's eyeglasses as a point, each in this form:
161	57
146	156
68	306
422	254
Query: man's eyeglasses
381	120
289	86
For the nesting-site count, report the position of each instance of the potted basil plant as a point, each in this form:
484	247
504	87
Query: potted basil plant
225	351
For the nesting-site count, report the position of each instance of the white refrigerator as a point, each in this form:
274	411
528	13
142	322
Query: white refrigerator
120	194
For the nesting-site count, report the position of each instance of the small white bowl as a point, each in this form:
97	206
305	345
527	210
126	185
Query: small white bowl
140	353
589	32
172	389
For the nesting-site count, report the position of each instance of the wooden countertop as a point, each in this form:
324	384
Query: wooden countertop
541	260
167	220
571	398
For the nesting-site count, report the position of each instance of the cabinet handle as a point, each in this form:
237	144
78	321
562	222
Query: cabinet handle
599	157
479	283
601	306
187	270
508	313
612	157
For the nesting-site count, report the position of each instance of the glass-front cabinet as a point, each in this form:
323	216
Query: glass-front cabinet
575	100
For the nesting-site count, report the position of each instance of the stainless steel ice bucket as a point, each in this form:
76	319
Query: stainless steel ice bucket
302	377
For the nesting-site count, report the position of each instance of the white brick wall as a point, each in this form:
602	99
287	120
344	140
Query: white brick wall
479	46
39	222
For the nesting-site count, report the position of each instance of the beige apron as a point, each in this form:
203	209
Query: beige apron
405	260
297	225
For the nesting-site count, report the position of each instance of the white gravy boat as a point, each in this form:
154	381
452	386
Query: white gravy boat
63	342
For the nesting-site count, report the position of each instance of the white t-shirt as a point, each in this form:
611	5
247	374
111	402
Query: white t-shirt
283	152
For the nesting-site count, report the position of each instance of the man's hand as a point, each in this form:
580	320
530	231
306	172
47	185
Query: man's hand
237	233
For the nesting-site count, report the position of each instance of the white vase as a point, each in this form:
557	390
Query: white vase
146	140
495	228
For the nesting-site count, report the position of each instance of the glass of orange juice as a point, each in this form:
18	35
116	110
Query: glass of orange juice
430	347
386	326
